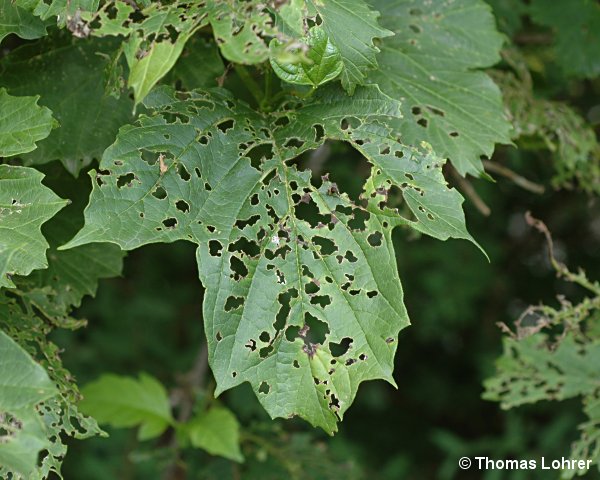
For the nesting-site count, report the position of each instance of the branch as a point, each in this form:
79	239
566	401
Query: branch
561	269
465	186
517	179
190	382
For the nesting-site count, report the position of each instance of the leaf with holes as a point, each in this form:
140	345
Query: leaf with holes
152	49
303	311
72	274
529	371
322	64
25	204
239	28
67	12
431	66
24	384
22	123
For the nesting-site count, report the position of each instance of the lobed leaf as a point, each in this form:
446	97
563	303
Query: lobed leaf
25	204
357	49
239	29
431	65
22	123
303	311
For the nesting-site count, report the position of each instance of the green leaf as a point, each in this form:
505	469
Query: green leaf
22	123
218	432
431	65
127	402
71	274
199	65
554	126
66	10
14	19
213	171
322	64
89	119
151	53
577	28
351	26
60	415
239	28
25	204
23	385
529	371
22	381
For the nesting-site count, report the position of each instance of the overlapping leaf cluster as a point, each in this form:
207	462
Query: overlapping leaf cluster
303	298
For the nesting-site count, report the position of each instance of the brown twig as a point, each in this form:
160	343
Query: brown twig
465	186
517	179
561	269
186	398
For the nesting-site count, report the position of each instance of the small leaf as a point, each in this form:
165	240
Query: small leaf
322	63
218	432
351	26
22	123
25	204
127	402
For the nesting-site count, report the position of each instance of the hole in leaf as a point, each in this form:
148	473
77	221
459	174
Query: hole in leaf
327	246
160	193
183	173
225	125
215	248
237	266
233	303
316	331
182	206
293	143
170	222
375	239
125	180
339	349
264	388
